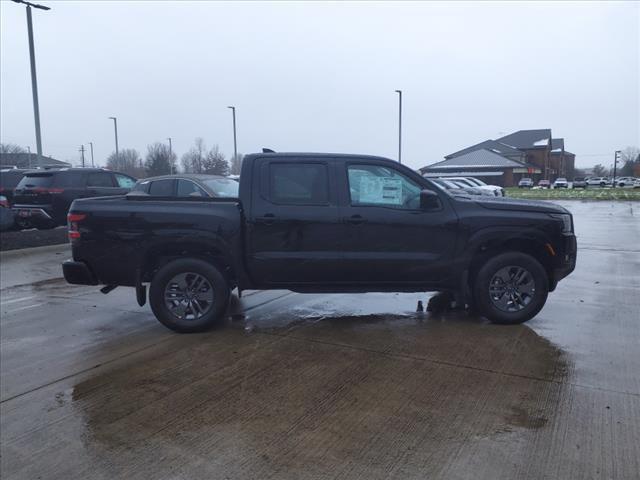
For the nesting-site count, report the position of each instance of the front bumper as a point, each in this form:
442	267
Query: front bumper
78	273
567	263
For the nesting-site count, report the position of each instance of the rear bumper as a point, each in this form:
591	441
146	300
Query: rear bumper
78	273
32	213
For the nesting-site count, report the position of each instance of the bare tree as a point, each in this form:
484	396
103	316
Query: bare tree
600	171
215	163
236	164
11	148
630	161
193	160
127	161
159	160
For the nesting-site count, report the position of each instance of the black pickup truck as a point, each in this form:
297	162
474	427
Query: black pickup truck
322	223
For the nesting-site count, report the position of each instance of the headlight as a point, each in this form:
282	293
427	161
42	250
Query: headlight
567	223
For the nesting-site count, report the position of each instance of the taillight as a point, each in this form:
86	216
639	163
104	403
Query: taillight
73	221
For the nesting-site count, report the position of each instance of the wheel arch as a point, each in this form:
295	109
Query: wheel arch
534	246
162	253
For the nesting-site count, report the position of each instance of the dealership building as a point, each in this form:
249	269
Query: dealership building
504	161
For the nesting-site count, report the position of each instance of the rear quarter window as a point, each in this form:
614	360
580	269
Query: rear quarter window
69	180
161	188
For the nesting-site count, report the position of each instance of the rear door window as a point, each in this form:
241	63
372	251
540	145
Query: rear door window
161	188
100	179
299	184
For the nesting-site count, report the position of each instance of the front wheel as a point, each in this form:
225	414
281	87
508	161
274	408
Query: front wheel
189	295
510	288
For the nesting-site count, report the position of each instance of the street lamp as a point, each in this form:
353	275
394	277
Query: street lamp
235	145
399	92
115	127
615	165
92	163
34	81
170	156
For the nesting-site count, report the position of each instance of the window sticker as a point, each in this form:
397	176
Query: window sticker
383	190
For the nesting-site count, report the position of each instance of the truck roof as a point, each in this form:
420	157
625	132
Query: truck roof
345	156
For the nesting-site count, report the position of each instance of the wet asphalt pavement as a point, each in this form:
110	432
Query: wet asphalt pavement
326	386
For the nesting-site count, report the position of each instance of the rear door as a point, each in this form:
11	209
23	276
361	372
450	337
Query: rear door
292	234
101	184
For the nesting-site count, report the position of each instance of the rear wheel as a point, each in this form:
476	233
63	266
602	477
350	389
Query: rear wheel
510	288
189	295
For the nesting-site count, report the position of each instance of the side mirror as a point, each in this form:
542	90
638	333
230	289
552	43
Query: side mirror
429	200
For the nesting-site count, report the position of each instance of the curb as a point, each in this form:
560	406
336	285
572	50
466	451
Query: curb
7	254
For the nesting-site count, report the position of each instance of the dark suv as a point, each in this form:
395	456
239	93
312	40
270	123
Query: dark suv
43	197
9	179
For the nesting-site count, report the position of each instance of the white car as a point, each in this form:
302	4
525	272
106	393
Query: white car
561	182
624	181
636	183
474	182
598	182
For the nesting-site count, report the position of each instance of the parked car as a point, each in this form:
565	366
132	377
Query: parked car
43	197
525	183
579	182
9	179
474	182
322	223
636	183
7	217
187	185
598	182
461	188
544	184
624	181
560	182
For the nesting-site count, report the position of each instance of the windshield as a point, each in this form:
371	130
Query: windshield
222	187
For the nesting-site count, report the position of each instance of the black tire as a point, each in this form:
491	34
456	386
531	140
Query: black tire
189	268
483	288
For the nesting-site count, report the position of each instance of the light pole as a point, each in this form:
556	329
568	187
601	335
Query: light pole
399	92
34	81
235	144
615	166
115	127
91	145
170	156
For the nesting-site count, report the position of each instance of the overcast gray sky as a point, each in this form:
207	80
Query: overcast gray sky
321	76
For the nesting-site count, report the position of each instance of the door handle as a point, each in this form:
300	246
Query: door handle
267	219
355	220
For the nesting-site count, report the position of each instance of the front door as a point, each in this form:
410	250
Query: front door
387	237
292	235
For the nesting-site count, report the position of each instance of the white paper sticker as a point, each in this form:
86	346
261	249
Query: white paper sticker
382	190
